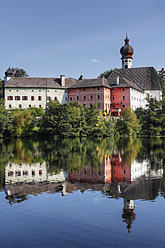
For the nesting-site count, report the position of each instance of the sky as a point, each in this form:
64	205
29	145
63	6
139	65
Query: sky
48	38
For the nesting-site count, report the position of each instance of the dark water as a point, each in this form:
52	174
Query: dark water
82	193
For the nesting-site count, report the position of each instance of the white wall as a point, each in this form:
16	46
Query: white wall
155	94
127	63
61	94
137	99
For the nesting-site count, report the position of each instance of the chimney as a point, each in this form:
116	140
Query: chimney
103	78
62	80
117	80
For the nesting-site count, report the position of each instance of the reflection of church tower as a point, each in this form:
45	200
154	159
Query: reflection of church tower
126	52
128	214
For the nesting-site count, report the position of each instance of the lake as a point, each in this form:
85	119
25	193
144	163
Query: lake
82	192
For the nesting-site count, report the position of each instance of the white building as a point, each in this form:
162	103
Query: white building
26	92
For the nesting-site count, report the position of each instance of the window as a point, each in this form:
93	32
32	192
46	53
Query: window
39	98
84	97
24	98
10	98
84	104
39	90
18	173
55	98
98	97
113	98
39	106
48	98
98	88
25	173
84	89
112	90
9	106
123	106
40	172
106	105
91	97
91	105
32	90
123	89
77	98
126	66
33	173
32	98
123	97
9	90
71	99
125	60
48	90
20	106
29	106
10	173
99	105
17	98
66	99
17	90
66	91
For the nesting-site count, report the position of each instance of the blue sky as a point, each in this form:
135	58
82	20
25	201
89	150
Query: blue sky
74	37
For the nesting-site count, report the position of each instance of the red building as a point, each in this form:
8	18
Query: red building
89	91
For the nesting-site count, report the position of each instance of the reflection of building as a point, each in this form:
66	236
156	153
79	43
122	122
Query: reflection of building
89	174
17	173
143	188
128	214
122	172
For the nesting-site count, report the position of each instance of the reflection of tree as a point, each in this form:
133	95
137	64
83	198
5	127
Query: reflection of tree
4	159
25	151
75	154
129	148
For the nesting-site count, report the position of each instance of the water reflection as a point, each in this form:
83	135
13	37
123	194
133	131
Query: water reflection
127	168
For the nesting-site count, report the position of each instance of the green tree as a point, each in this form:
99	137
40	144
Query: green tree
23	123
1	89
152	119
129	123
19	72
106	73
161	75
5	121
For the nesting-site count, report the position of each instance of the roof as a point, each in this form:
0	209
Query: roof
36	82
96	82
143	77
123	82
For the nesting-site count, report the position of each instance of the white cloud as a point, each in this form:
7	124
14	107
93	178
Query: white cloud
95	60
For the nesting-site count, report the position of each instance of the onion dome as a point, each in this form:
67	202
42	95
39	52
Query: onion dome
9	72
126	51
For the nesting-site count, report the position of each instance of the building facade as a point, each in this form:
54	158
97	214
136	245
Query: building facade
89	91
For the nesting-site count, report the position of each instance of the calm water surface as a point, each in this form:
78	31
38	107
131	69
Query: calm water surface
82	193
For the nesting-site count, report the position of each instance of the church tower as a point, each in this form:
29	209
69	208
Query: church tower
8	74
126	52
